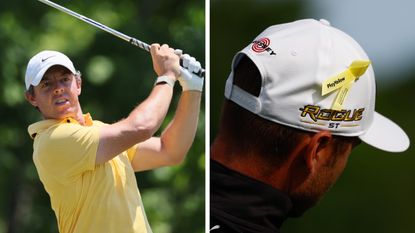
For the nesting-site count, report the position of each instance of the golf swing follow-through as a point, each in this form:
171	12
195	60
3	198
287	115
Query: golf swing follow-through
87	166
131	40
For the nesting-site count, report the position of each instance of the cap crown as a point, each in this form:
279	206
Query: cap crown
41	62
294	60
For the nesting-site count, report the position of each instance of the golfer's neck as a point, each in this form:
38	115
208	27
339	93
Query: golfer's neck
80	116
77	115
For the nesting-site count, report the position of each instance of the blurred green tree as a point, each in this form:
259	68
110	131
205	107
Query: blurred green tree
116	77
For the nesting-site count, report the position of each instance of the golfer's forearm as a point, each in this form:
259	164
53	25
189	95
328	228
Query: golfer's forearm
148	116
178	137
139	126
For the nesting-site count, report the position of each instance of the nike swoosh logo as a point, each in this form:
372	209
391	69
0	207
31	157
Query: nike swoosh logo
44	59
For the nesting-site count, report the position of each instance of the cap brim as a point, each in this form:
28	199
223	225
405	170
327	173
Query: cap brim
384	134
39	76
42	72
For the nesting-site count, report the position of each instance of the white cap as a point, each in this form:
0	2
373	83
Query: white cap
41	62
315	77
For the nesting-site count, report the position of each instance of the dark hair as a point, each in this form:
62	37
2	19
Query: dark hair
31	90
249	133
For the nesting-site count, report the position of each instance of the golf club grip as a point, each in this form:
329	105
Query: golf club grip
146	47
201	72
140	44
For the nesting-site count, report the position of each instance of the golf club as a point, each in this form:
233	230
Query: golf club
116	33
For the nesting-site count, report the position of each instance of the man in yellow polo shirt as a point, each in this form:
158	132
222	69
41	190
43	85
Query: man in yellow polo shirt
86	166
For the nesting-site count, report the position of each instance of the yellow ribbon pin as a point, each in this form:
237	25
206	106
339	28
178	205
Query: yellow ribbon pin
344	81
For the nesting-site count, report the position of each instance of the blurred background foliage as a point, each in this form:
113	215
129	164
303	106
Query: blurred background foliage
376	192
116	77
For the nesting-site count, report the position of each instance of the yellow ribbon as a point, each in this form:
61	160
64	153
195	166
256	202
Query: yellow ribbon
344	81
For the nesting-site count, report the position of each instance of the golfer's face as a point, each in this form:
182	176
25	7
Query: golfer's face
56	96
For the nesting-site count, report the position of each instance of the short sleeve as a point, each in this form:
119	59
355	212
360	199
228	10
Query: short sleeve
67	151
131	152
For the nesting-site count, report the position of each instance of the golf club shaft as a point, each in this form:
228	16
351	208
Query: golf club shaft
116	33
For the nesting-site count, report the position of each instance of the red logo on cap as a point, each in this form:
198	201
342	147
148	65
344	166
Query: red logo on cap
262	45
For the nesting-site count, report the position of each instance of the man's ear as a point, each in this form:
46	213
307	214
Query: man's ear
316	149
78	84
31	98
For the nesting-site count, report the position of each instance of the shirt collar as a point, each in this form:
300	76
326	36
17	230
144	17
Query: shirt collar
35	128
245	204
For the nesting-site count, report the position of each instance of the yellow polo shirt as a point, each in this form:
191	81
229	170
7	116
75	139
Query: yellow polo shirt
86	198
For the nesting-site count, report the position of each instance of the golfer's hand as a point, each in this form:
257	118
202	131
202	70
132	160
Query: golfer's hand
188	78
165	61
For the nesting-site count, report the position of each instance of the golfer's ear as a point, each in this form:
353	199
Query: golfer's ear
31	98
317	149
78	83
